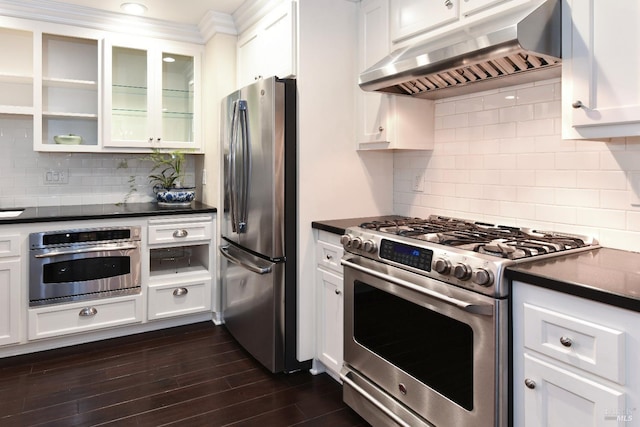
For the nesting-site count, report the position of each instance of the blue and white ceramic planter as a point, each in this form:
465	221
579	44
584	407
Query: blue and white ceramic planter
175	197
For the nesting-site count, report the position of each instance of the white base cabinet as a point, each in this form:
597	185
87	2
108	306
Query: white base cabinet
10	313
574	361
329	287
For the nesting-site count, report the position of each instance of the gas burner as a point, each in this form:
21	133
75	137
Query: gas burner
494	240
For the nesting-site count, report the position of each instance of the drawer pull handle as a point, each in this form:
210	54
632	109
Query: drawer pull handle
180	233
566	341
178	292
329	257
338	292
530	383
577	104
88	312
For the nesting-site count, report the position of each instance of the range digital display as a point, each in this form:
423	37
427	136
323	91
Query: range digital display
406	254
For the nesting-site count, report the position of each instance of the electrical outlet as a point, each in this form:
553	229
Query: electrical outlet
56	176
418	181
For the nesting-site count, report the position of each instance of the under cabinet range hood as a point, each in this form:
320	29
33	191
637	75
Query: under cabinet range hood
515	49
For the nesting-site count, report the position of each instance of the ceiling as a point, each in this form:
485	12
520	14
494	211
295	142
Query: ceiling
182	11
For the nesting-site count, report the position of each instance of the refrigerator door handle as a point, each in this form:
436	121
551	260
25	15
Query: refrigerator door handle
239	166
224	250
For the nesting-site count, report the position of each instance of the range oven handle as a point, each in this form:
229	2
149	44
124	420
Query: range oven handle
483	309
345	378
86	250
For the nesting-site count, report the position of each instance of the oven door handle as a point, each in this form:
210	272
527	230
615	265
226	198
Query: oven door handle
87	250
345	378
483	309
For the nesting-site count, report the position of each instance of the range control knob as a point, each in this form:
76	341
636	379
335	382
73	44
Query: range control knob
482	277
345	239
462	271
442	266
356	243
369	246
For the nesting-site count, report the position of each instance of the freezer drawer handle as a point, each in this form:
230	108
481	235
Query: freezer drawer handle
88	312
224	250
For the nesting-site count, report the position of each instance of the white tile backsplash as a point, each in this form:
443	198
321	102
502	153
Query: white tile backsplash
501	159
93	178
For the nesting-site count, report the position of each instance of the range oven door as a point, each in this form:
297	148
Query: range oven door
436	349
80	272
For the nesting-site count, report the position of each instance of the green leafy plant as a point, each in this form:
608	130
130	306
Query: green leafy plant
168	168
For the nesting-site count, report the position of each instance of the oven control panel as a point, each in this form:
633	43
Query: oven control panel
402	253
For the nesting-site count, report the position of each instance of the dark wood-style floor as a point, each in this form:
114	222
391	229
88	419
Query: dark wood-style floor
194	375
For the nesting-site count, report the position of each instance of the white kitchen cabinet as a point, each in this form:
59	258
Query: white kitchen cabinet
387	121
268	48
16	73
181	264
600	88
58	320
69	88
469	7
573	361
329	283
152	94
10	287
412	17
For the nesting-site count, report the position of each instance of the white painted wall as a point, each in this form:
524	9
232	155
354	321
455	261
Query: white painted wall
503	161
334	180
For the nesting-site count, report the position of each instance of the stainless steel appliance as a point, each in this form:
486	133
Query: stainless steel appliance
259	223
520	46
426	318
83	264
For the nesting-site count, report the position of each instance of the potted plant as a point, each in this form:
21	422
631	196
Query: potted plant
167	178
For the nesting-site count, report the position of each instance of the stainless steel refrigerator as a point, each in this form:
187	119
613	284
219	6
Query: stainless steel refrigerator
258	245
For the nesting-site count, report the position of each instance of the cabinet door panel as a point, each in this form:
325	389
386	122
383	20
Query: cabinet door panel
331	321
10	300
564	399
412	17
601	64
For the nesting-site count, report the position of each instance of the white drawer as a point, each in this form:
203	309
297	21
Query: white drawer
586	345
329	256
171	300
56	320
185	231
9	245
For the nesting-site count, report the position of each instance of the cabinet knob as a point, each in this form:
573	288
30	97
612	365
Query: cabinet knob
88	312
158	139
530	383
329	257
150	139
448	3
338	292
565	341
178	292
577	104
380	129
180	233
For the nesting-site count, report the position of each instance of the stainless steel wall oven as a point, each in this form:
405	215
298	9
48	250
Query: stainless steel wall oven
83	264
426	338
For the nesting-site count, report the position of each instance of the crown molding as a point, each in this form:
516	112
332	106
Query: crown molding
215	22
80	16
251	11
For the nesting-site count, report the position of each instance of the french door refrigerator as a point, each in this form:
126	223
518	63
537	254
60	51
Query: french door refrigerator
258	227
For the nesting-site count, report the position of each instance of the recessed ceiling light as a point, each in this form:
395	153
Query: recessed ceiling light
133	8
169	59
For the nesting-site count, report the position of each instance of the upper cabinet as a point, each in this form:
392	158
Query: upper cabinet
16	73
386	121
268	48
600	88
469	7
69	91
152	94
412	17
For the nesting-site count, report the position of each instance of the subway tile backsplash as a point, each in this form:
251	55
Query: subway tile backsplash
92	178
499	157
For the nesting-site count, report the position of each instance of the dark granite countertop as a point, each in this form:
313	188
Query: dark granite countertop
606	275
106	211
338	226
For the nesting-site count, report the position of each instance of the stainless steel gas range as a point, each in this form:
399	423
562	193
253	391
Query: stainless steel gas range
426	318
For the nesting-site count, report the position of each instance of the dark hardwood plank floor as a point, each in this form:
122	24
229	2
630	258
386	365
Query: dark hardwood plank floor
195	375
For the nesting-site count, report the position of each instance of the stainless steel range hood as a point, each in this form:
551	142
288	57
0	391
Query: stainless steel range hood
524	47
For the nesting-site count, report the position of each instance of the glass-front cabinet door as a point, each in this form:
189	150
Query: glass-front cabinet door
151	95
